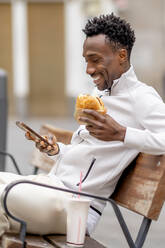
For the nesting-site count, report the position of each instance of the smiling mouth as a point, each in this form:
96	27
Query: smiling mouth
96	79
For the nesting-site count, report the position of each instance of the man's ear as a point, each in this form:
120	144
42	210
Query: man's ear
123	55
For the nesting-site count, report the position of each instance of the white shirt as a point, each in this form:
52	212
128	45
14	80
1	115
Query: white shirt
132	104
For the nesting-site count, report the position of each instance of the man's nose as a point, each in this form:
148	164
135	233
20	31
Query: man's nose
90	69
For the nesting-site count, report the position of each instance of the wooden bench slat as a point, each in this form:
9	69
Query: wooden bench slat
142	187
62	135
60	242
10	240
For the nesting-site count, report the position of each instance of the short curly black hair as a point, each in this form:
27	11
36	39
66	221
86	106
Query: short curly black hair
117	31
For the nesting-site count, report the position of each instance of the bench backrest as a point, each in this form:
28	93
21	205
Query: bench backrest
141	187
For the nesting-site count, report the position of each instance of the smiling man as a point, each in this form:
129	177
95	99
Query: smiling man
101	150
134	122
107	50
104	62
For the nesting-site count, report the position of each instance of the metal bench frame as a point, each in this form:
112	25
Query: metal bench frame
141	236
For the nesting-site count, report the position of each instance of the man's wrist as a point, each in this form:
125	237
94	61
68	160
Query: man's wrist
51	153
122	134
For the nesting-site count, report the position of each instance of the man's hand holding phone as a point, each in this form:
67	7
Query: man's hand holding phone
46	144
50	147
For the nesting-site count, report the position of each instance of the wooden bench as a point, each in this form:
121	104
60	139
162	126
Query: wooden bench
50	241
140	189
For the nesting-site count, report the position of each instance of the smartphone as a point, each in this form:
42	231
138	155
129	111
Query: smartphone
33	134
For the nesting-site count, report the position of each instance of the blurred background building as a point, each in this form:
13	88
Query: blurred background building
41	49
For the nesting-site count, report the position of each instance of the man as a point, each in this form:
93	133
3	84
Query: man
134	122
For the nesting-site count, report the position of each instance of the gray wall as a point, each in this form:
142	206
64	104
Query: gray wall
147	18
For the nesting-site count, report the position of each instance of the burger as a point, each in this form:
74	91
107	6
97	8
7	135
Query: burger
85	101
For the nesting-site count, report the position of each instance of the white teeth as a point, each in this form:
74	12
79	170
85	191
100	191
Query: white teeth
96	78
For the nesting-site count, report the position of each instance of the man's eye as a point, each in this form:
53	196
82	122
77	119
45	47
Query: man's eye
95	60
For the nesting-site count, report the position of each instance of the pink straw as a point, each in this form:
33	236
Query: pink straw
80	184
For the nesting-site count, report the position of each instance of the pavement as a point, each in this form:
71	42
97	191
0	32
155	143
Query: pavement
108	231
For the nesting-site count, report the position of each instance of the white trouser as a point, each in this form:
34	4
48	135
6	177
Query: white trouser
43	209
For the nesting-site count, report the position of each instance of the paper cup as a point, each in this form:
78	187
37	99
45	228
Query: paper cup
79	112
77	213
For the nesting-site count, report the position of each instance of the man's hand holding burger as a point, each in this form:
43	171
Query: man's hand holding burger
98	123
103	127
